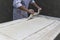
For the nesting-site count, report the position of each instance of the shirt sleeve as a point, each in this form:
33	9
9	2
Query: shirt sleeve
17	3
33	1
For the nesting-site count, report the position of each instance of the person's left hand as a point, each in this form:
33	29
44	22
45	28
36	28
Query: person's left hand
39	8
31	11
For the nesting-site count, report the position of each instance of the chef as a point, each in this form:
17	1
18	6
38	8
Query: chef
20	8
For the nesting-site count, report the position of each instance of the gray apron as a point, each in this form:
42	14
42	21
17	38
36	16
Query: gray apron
18	14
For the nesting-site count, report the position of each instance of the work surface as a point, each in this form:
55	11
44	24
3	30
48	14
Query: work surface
39	28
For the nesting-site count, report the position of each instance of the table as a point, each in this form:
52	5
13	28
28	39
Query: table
39	28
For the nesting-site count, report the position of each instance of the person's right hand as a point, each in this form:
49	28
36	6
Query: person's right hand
31	11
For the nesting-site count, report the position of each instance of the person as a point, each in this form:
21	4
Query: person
20	8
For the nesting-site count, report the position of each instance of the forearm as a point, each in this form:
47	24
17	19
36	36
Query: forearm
23	8
35	5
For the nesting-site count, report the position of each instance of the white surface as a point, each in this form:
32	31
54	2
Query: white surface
46	34
4	37
34	29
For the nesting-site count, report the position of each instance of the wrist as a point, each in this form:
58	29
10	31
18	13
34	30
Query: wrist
38	7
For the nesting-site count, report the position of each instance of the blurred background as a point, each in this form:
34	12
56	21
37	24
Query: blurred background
5	10
49	7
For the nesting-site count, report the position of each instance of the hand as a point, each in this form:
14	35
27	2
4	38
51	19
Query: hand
31	11
39	8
